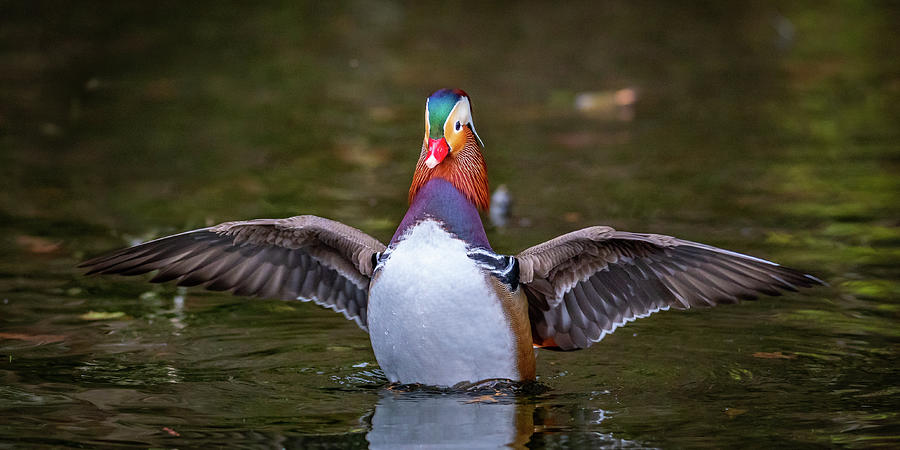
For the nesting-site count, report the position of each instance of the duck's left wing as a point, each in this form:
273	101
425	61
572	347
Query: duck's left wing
582	285
303	257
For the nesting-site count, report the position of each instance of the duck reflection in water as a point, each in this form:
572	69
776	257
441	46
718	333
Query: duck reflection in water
498	419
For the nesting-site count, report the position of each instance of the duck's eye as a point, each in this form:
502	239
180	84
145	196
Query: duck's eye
458	125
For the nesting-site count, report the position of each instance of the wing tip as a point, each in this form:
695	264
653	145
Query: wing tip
815	281
94	264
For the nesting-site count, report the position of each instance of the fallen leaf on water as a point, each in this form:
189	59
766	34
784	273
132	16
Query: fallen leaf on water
46	338
773	355
618	103
483	399
102	315
36	244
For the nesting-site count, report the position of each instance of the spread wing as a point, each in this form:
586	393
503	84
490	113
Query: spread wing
306	258
582	285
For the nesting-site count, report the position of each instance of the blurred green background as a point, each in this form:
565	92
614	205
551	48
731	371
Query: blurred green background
761	127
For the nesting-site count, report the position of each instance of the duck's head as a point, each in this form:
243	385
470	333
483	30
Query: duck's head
452	149
448	125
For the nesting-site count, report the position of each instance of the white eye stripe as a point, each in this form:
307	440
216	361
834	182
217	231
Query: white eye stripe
460	115
427	124
461	112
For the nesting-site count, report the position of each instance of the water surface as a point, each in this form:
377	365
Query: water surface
766	130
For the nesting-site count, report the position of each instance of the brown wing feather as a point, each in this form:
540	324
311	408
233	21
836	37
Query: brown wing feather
583	285
307	258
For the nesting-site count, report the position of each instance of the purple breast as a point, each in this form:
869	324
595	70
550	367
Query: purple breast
441	201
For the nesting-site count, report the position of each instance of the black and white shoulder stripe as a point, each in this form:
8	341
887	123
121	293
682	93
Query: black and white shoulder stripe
503	267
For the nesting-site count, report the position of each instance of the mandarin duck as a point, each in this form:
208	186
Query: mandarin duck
440	306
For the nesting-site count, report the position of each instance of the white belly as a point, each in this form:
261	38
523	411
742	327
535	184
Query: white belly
433	317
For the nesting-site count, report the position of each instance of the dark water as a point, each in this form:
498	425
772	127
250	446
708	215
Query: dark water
771	130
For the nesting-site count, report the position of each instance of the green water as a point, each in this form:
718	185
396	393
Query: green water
763	128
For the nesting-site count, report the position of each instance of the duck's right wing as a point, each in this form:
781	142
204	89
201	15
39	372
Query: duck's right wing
307	258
